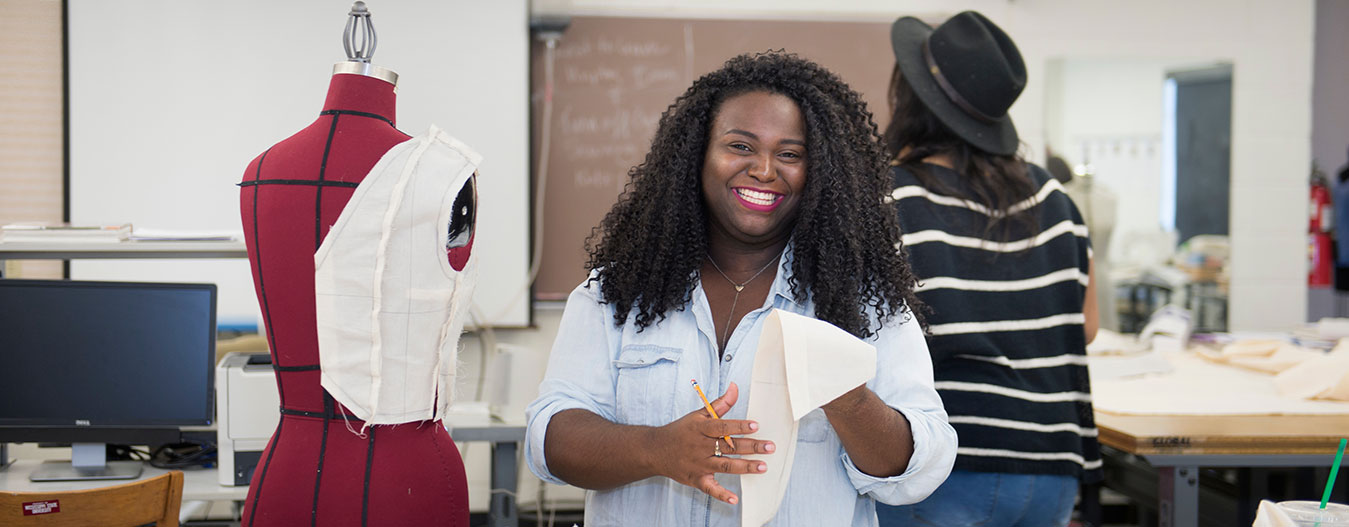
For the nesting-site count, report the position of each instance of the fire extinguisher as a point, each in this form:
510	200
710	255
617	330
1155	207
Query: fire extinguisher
1321	261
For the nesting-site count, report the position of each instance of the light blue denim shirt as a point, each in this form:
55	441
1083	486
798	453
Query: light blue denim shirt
642	378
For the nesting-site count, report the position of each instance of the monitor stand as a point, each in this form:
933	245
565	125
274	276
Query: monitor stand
87	461
5	461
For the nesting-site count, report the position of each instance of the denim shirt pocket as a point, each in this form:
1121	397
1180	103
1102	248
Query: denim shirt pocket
647	379
814	427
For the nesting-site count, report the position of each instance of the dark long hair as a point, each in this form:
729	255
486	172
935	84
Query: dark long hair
647	251
994	181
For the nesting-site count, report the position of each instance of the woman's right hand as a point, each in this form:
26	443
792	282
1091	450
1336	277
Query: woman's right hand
687	453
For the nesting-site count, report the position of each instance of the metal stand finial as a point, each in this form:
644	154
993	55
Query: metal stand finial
359	41
359	36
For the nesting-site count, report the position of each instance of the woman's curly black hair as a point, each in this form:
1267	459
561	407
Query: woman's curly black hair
647	251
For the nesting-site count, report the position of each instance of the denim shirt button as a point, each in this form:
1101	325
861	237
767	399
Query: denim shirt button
727	358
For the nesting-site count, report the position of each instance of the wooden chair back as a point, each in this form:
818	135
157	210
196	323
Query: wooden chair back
155	500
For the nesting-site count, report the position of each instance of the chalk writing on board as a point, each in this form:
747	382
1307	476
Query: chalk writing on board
644	76
636	49
607	151
593	76
621	123
591	178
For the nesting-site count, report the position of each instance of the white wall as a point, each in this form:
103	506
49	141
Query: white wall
1108	113
1330	115
1268	42
529	351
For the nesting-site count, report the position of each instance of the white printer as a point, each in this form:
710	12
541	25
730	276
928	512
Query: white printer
248	412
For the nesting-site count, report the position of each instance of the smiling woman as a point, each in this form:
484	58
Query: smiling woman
753	175
755	168
762	190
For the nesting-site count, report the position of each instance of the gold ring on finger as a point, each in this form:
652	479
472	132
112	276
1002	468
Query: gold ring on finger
716	447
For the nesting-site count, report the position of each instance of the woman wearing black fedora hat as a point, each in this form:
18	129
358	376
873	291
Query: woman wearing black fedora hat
1005	266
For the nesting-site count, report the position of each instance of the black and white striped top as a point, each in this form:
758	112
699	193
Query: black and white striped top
1006	325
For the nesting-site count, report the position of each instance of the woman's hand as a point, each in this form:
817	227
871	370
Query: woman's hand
688	447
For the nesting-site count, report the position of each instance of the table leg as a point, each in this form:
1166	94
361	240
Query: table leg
1178	496
501	511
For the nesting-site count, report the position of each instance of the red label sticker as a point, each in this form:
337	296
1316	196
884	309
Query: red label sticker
34	508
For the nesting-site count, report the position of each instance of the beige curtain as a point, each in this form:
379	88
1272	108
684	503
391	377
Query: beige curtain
30	121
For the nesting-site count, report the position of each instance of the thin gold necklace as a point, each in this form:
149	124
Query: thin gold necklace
738	287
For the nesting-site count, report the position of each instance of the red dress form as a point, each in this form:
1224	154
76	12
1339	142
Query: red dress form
316	470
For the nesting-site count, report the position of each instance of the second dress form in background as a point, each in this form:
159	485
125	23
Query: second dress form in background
317	469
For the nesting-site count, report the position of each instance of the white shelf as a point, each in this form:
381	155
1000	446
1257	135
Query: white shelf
197	484
127	249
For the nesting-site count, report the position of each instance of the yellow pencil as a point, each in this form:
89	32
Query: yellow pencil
710	410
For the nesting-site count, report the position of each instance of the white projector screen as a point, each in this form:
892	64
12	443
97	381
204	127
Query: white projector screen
170	100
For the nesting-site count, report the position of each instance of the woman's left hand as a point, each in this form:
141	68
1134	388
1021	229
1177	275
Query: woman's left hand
876	437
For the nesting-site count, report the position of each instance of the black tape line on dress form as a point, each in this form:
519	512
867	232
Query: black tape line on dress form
318	192
262	286
318	471
358	114
262	478
365	499
328	413
304	368
302	182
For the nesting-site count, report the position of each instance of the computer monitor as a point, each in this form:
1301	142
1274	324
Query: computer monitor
91	363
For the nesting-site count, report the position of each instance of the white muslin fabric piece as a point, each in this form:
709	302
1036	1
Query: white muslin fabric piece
801	364
390	307
1323	377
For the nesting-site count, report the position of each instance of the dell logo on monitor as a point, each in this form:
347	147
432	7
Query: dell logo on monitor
81	422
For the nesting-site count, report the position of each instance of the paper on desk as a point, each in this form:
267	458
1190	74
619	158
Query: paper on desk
1111	343
140	234
802	363
1267	356
1168	329
1107	367
1323	377
1199	387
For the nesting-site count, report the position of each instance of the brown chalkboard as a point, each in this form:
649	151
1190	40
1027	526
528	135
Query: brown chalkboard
614	76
